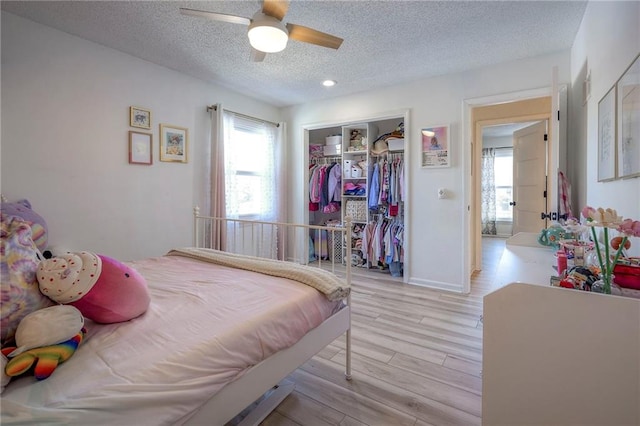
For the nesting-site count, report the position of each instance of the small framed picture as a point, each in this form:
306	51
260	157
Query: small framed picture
628	100
139	117
140	148
174	143
436	147
607	137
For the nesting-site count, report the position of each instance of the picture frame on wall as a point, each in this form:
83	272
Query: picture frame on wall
140	148
436	146
139	117
607	137
174	143
628	107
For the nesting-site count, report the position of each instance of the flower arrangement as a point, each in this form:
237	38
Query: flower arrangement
609	219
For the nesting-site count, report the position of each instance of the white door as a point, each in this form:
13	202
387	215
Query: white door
529	178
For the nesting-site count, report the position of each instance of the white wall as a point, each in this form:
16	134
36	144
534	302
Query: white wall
65	123
607	41
436	243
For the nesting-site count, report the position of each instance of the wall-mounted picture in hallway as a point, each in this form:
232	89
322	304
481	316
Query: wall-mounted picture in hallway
607	137
435	146
628	96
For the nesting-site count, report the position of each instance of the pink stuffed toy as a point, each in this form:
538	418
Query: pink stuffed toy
103	289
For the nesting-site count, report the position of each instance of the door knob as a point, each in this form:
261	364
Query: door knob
513	203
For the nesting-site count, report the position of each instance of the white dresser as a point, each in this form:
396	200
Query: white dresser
557	356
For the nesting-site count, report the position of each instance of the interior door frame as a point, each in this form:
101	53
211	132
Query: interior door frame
472	139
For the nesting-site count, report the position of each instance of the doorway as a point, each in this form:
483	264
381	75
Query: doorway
504	183
523	111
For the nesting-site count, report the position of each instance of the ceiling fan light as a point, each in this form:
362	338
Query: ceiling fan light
268	35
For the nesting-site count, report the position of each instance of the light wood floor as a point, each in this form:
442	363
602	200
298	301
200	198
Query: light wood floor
417	358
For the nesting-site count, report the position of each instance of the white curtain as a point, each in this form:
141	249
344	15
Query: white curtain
215	205
256	175
488	192
268	195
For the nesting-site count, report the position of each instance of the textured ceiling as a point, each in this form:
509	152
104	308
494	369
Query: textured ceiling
386	42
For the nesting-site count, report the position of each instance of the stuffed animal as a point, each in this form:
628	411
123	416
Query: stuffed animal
4	377
22	209
19	291
46	358
103	289
46	338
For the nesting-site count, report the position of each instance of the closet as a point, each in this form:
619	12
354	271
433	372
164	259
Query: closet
357	170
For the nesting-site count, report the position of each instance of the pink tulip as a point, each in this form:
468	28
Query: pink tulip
601	217
630	228
587	211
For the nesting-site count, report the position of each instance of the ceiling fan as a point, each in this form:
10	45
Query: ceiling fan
267	33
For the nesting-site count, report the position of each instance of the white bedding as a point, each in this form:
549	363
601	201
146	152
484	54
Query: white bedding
323	281
206	325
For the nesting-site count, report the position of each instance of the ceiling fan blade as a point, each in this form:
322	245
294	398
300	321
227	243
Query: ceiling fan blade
309	35
257	56
275	8
213	16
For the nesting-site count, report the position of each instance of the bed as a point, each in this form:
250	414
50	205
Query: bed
223	330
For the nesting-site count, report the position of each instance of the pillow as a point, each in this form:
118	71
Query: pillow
22	209
19	291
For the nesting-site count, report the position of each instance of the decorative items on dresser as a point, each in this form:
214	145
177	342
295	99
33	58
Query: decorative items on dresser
604	239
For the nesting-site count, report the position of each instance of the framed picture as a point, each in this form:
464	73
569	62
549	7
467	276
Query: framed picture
174	143
436	148
607	137
586	88
628	96
139	117
140	148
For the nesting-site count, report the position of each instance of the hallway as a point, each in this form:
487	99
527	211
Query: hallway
482	282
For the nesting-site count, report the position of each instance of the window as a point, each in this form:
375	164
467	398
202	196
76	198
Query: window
250	168
503	172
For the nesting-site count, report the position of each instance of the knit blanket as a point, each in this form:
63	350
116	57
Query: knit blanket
324	281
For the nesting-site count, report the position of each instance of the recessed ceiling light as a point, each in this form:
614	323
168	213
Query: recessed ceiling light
329	83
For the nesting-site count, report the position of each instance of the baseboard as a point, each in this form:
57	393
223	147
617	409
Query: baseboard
437	285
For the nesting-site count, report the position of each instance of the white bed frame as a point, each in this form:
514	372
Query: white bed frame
265	378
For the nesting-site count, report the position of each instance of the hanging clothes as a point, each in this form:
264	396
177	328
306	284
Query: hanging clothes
314	187
386	190
335	183
564	196
325	182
